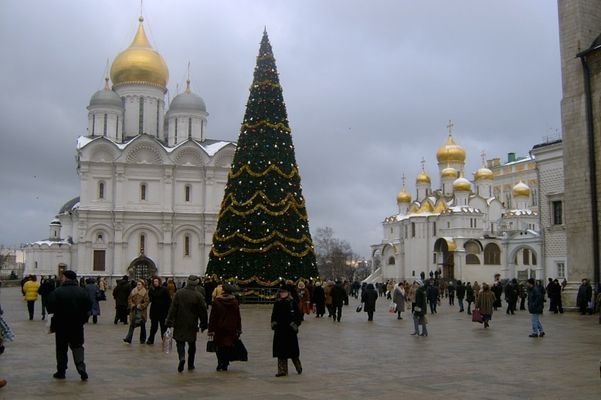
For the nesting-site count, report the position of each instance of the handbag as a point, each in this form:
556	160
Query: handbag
239	352
211	346
138	321
359	308
392	308
476	316
168	341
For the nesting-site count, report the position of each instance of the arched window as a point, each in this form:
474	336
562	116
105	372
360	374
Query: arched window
142	243
143	191
492	254
101	190
391	260
413	229
187	245
472	249
526	256
188	192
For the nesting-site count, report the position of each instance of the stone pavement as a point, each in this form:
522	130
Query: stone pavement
353	359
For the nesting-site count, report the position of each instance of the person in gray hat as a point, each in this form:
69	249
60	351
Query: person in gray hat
188	311
70	305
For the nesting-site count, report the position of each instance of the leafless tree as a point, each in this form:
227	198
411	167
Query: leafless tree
334	256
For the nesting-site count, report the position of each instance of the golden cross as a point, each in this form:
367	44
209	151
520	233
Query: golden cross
423	163
483	155
450	127
404	180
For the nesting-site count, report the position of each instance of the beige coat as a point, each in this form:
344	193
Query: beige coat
485	302
138	299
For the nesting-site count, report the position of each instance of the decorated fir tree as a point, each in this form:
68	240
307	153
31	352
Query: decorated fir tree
263	230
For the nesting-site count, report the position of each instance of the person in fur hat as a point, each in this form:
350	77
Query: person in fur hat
188	311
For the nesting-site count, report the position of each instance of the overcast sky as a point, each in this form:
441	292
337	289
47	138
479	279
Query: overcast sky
369	87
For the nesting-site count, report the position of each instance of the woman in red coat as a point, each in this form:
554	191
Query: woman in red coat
225	325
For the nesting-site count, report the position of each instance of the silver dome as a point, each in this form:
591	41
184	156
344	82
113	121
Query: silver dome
188	102
106	97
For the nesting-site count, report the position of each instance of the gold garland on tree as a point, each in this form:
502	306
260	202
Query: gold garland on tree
272	167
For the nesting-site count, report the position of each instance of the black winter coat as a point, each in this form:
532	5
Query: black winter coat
160	301
121	293
70	305
535	300
338	295
369	297
285	320
469	294
461	291
187	309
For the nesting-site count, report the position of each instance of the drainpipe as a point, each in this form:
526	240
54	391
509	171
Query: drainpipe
592	165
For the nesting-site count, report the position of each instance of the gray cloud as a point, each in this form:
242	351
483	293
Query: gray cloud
369	88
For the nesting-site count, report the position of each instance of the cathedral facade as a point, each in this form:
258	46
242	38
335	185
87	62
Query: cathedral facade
151	182
462	230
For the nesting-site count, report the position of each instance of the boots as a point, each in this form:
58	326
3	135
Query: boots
282	367
297	365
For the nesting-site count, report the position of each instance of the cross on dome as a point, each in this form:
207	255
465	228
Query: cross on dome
450	127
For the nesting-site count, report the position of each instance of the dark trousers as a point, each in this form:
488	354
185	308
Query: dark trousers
44	307
370	315
469	307
433	306
337	312
130	333
451	299
181	351
121	314
460	299
223	356
154	326
74	340
30	308
522	303
283	365
331	310
511	306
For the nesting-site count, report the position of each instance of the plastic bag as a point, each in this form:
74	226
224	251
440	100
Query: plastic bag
168	341
392	308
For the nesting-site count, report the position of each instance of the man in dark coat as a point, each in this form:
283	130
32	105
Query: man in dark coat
584	297
368	298
285	320
121	294
419	309
469	297
319	299
535	307
511	296
432	295
70	305
46	287
338	298
497	289
160	301
460	294
225	325
188	311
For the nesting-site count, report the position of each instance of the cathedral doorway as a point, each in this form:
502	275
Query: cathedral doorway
446	248
142	268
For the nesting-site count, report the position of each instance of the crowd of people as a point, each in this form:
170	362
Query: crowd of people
180	311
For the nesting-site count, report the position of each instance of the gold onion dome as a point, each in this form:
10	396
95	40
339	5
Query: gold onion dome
483	173
521	190
449	172
403	197
450	152
140	63
462	185
423	177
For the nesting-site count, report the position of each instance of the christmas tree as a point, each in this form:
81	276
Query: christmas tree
263	231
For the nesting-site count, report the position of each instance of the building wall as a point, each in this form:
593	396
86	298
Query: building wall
579	25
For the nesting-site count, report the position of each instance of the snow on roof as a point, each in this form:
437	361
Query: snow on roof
461	209
518	212
210	146
519	161
49	243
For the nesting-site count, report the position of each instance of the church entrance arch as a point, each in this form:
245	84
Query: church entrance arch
445	248
142	268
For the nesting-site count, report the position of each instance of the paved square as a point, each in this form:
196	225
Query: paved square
353	359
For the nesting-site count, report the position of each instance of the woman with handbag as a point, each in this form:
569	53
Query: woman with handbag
138	304
225	326
418	308
485	304
285	320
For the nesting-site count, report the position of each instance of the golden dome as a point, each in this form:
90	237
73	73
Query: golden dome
450	152
423	177
449	172
403	197
462	185
521	190
483	173
140	63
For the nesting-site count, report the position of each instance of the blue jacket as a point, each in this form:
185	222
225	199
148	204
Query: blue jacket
535	300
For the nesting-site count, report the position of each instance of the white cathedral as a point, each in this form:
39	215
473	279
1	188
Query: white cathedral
151	182
462	230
